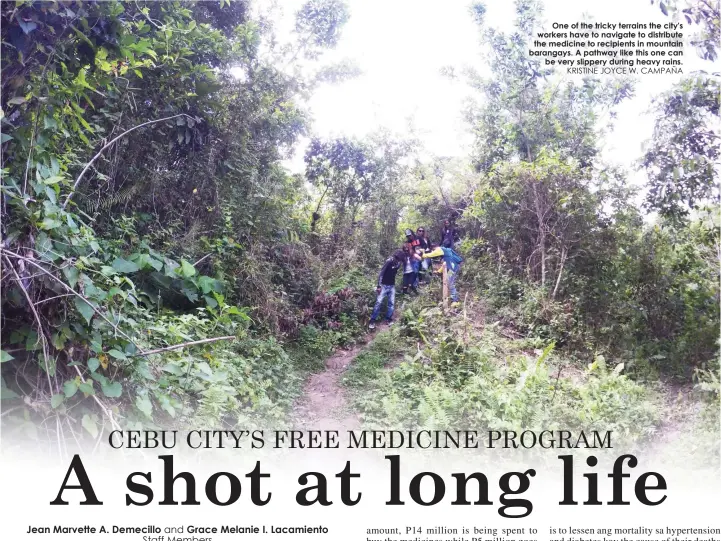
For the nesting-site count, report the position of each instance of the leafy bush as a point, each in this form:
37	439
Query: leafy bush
479	382
312	346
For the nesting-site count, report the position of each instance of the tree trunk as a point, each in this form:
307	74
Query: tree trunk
446	293
564	253
543	257
540	215
316	215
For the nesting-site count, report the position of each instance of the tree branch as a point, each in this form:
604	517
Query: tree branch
202	259
184	344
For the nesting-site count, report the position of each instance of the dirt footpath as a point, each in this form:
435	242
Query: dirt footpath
323	405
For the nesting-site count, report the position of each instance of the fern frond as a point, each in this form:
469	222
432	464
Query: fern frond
105	202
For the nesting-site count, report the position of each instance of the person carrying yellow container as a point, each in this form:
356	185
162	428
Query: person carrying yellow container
453	264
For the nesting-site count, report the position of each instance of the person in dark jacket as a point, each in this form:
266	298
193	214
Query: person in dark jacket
387	286
449	235
424	246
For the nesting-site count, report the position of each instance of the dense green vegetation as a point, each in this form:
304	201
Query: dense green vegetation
145	206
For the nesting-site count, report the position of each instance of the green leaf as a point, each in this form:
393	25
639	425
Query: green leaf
108	270
45	246
93	364
144	404
71	274
5	392
90	425
125	266
145	260
166	405
70	388
49	123
117	354
115	291
56	400
157	265
50	223
208	284
17	100
174	369
5	356
192	295
186	269
32	342
71	222
52	196
142	370
102	380
48	364
112	390
4	138
87	388
85	309
170	268
59	340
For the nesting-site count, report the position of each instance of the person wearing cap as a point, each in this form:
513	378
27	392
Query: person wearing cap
412	239
387	287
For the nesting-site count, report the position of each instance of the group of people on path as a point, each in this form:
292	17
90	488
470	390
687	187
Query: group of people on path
416	258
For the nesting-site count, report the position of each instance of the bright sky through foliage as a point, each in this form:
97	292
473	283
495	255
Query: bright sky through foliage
401	46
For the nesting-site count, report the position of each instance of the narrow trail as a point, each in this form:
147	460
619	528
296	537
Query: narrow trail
324	405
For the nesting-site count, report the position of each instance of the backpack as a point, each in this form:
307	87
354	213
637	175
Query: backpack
452	258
